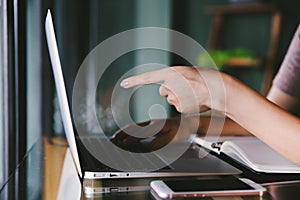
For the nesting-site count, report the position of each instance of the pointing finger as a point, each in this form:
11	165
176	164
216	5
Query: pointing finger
144	79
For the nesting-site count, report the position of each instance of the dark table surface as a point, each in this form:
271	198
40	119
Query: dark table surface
27	182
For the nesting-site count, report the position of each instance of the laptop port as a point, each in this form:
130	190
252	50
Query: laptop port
114	189
113	175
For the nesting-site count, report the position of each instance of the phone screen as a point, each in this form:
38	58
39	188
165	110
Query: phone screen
207	185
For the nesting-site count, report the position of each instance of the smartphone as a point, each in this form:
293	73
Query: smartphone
206	187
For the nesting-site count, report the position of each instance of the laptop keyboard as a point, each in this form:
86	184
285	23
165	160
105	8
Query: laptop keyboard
112	154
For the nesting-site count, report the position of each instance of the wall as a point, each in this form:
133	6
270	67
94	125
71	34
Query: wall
34	72
148	102
243	31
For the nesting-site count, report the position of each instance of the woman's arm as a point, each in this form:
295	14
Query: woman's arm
275	95
230	127
283	100
196	89
270	123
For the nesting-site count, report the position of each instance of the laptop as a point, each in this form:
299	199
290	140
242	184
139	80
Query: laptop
89	167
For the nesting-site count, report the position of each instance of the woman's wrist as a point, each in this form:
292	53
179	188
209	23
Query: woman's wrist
234	90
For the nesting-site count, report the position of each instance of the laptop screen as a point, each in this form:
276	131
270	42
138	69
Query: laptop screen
61	90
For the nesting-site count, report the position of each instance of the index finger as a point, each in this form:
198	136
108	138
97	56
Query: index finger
144	79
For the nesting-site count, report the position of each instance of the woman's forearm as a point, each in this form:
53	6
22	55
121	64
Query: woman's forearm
276	127
230	127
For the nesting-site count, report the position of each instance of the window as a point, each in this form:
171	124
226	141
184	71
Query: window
1	97
13	86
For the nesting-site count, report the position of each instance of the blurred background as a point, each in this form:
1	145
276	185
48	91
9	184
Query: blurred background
247	42
247	39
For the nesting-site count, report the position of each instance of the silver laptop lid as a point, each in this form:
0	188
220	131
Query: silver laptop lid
61	89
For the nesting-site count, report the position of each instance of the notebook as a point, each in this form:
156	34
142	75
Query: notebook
250	152
88	167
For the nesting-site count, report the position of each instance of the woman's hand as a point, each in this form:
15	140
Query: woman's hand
160	131
189	89
197	89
